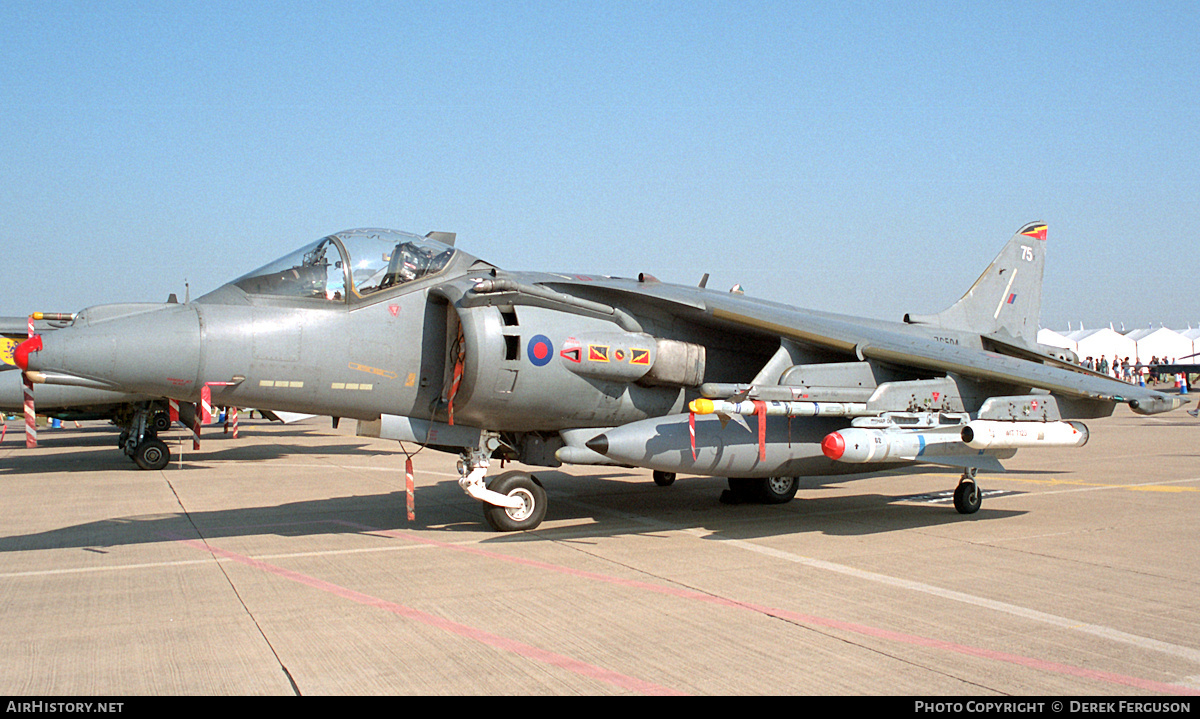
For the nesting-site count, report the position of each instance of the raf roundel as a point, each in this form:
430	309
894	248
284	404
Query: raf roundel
540	350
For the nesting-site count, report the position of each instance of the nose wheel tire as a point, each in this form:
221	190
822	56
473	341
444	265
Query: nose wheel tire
516	519
664	479
152	454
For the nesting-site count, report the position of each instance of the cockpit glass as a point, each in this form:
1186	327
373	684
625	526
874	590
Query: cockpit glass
376	260
314	271
380	259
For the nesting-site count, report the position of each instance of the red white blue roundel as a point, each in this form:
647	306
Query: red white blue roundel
540	350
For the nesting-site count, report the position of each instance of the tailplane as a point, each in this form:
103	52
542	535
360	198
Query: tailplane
1007	297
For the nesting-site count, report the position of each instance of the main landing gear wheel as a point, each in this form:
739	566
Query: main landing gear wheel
161	422
152	454
967	497
776	490
664	479
533	503
765	490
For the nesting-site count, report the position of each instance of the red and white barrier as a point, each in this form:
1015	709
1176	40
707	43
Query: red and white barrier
408	488
30	413
204	412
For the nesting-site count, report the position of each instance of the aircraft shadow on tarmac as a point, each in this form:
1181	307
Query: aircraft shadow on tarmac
88	459
695	503
601	504
60	438
67	435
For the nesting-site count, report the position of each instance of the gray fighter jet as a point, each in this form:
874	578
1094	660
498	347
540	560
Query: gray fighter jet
424	343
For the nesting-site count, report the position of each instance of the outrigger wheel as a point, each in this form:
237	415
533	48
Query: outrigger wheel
967	497
533	503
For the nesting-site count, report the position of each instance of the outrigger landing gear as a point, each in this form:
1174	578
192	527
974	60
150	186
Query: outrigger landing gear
513	501
967	497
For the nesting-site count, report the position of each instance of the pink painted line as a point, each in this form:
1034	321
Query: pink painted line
492	640
1028	662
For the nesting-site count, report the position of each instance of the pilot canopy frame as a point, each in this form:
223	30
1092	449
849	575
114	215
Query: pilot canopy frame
349	266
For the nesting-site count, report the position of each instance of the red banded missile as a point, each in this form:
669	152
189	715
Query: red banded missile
992	434
781	409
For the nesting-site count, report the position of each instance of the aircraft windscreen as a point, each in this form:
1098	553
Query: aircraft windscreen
377	259
314	271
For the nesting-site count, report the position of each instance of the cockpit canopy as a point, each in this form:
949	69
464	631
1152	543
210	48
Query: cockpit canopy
350	266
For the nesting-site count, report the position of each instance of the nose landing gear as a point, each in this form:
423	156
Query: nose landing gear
140	441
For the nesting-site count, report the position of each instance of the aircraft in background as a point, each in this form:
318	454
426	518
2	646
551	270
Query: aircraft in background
139	416
422	342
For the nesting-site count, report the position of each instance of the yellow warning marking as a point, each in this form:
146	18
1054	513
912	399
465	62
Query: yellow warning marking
1130	487
280	383
412	379
385	373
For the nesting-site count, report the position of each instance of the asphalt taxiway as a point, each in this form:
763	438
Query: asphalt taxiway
282	563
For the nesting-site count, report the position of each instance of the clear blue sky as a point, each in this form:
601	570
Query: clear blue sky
867	158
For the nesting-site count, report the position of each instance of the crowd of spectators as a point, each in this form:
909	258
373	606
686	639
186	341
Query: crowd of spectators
1125	370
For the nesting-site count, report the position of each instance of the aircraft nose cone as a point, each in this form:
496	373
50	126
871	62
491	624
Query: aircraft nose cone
136	348
598	444
834	445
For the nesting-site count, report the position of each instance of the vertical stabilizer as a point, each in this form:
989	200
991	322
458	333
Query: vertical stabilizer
1007	297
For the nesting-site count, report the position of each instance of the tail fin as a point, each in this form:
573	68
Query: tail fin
1007	297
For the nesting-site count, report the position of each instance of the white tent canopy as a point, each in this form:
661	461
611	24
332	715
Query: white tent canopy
1055	339
1194	336
1161	343
1105	342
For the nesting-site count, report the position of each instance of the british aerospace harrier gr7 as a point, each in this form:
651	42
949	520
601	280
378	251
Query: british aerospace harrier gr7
422	342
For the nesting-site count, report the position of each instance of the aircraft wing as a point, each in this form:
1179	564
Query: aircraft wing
14	327
902	346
